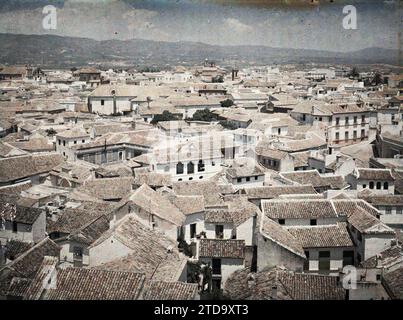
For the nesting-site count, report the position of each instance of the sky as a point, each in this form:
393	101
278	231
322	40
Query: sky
274	23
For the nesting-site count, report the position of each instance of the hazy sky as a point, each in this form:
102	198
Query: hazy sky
277	23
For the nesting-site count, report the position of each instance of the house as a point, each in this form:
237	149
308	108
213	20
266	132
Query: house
328	248
153	210
278	283
24	268
244	173
320	182
90	75
257	194
390	207
223	256
114	99
13	73
21	223
131	246
377	181
272	158
34	168
345	123
69	138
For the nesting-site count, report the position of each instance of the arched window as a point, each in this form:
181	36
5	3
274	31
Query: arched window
200	166
386	185
371	184
191	167
378	185
179	168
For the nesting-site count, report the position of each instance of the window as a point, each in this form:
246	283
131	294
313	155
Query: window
324	260
337	121
83	141
363	119
346	120
355	120
281	221
60	142
201	177
247	179
364	186
320	118
102	102
200	166
362	133
179	168
212	163
378	277
371	184
314	222
193	230
75	141
378	185
217	266
399	210
120	155
279	131
337	136
355	134
78	252
256	177
348	258
239	180
15	226
219	231
388	210
64	143
386	185
166	169
190	168
346	135
306	262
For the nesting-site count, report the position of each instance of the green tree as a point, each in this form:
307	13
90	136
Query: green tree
204	115
227	103
165	116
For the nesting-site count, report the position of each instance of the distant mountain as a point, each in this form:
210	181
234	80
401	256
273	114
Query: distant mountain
60	51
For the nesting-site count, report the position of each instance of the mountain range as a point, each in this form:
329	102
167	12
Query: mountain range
51	51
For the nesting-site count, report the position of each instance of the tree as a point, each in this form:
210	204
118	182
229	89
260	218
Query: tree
377	79
165	116
218	79
354	73
228	125
204	115
227	103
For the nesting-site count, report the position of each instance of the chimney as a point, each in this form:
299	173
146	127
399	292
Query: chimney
313	110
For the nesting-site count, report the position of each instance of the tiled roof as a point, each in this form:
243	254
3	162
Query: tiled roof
18	287
326	236
27	264
218	216
25	166
393	283
214	248
12	212
298	209
386	258
384	200
364	222
276	233
163	290
108	188
153	253
375	174
275	191
15	248
95	284
280	284
315	179
154	203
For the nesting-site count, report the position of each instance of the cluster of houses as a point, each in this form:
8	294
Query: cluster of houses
195	183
